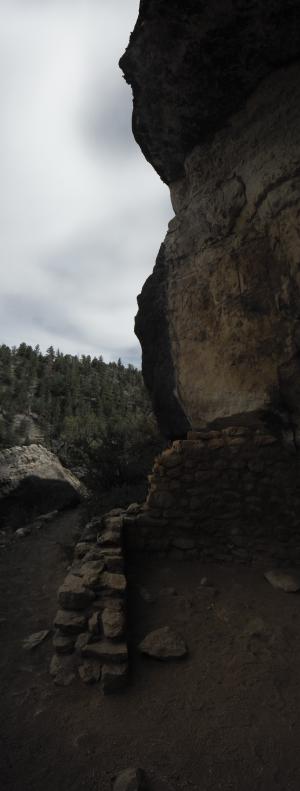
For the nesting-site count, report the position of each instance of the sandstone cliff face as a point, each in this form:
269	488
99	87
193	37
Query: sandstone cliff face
217	112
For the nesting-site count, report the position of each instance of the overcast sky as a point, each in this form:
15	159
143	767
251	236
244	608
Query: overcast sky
82	214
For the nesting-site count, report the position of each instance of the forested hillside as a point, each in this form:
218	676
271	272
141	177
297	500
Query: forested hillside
95	416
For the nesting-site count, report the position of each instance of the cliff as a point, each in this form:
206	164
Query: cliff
216	92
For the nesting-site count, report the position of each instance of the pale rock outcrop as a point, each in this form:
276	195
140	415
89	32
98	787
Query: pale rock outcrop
217	112
34	478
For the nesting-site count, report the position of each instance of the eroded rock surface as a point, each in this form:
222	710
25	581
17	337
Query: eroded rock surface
217	112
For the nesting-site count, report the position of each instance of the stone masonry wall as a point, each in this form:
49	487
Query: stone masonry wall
232	494
90	625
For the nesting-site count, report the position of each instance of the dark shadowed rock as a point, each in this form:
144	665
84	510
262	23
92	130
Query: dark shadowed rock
114	584
70	622
35	639
106	652
114	677
63	670
90	671
73	594
192	64
62	643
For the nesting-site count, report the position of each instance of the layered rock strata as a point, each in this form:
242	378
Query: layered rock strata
90	625
217	112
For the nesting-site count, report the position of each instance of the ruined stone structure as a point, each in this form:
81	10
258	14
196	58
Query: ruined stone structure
228	495
216	91
90	625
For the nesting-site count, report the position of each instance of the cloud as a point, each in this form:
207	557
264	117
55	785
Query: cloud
82	214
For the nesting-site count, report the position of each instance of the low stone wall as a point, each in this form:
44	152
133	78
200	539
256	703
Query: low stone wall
90	625
225	495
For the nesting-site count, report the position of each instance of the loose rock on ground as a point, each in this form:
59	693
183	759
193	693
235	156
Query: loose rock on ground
164	644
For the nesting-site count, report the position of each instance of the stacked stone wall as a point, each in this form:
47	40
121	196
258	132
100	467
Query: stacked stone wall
90	625
232	494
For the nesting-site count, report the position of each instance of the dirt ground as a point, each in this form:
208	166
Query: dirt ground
226	717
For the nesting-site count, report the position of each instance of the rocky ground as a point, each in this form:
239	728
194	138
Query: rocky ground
226	716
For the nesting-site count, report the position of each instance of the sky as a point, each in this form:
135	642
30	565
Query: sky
82	214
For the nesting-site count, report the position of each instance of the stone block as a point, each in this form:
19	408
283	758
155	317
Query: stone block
174	473
114	523
95	625
160	500
114	563
133	508
73	595
182	542
62	643
115	584
113	623
107	601
83	639
195	503
89	534
63	670
69	622
90	671
170	458
174	486
163	644
90	572
81	549
114	677
106	652
115	512
94	553
110	538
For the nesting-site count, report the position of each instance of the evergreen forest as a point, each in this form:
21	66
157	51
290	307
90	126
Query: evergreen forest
95	416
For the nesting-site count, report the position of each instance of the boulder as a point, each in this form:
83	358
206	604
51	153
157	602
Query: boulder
32	478
284	580
163	644
130	780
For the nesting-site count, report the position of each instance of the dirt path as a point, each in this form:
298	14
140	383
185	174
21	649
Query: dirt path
227	717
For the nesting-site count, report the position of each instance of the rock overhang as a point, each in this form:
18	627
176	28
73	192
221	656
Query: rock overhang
192	64
217	113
